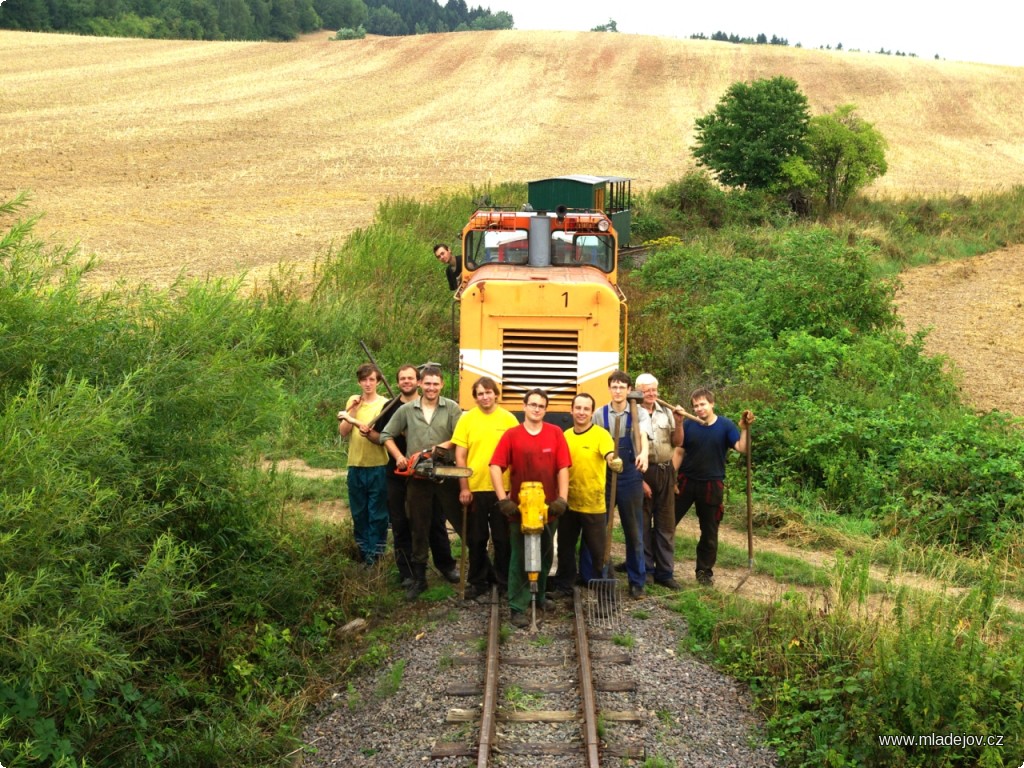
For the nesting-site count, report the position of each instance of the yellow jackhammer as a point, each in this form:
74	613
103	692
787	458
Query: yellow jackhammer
534	512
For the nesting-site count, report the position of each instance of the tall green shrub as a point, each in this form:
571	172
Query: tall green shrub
137	540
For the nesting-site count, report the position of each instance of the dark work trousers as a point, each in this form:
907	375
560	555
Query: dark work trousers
593	528
487	523
421	497
401	531
707	496
660	521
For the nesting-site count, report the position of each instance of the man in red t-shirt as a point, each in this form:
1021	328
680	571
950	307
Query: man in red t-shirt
533	451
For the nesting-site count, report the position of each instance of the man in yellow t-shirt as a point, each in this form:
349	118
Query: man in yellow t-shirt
475	438
591	448
367	476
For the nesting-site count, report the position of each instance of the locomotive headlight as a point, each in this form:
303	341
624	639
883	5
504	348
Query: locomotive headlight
602	225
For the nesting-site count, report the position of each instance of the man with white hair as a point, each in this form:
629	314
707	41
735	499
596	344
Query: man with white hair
659	521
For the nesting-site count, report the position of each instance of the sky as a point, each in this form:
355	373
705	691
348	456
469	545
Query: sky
969	30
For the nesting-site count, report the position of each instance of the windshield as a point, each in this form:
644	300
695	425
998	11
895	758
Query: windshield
512	247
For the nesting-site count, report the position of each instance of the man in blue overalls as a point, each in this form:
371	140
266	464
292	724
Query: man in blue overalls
629	493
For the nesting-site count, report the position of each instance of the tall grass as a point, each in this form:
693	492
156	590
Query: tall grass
917	230
833	680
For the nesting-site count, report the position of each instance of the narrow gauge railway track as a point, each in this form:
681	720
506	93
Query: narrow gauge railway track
554	664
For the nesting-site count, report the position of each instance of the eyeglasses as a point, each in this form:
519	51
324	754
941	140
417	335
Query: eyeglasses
536	405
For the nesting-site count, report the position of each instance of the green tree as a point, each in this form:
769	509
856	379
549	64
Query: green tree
845	153
755	128
499	20
25	14
384	21
611	26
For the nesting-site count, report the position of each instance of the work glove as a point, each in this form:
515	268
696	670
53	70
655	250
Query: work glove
557	508
615	465
508	508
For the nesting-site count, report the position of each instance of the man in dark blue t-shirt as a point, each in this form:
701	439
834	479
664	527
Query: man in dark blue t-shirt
700	461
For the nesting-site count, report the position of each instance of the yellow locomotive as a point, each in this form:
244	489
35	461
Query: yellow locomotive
539	302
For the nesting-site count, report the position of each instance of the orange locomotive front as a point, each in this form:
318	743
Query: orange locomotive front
539	305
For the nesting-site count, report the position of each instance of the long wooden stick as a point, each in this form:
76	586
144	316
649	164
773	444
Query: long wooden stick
679	409
750	511
464	554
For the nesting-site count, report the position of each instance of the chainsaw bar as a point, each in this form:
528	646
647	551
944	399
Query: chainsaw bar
447	472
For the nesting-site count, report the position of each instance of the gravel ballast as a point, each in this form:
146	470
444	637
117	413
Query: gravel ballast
690	714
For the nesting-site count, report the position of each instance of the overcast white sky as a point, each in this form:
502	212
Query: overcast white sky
968	30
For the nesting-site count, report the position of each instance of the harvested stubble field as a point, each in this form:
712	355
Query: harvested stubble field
169	157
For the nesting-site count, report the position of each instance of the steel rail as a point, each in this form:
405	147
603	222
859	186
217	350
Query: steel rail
591	742
489	715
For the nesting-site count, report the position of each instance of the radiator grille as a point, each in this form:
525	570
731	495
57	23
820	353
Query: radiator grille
539	358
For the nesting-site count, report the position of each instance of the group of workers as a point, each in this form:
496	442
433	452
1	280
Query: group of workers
660	459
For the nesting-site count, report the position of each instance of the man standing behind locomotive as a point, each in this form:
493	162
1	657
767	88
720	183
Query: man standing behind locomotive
367	479
701	462
453	266
408	380
659	483
533	451
428	422
476	436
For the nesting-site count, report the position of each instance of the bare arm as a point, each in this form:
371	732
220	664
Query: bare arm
400	461
641	459
744	442
499	487
677	431
465	495
563	483
344	425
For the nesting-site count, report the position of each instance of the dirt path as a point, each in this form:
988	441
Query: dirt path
765	588
759	586
975	310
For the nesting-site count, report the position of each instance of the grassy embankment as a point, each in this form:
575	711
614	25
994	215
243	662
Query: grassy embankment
162	604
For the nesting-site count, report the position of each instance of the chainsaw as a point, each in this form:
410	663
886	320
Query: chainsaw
433	465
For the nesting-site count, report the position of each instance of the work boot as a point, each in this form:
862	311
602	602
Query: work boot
419	582
520	619
451	576
705	579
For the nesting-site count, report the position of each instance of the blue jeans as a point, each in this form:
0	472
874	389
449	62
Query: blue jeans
368	500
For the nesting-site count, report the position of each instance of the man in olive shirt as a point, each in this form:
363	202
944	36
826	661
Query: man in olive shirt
427	422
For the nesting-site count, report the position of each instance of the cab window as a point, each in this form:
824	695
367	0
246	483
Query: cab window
497	247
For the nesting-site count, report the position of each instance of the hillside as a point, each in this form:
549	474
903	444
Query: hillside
212	158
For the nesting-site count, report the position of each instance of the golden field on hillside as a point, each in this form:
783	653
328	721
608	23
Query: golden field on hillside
216	158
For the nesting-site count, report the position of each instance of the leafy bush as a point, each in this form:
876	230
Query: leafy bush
695	203
140	545
346	33
729	303
852	414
